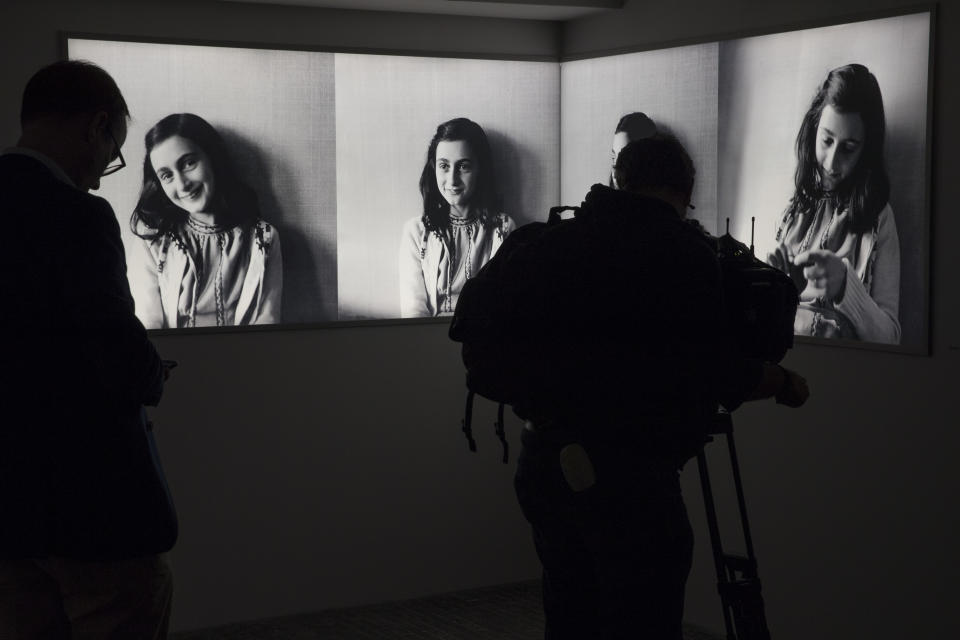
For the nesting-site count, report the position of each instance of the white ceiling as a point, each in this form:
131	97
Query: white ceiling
518	9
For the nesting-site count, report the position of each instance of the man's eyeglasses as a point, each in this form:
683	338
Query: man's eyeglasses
117	163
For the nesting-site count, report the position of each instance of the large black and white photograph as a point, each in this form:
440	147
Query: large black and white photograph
227	205
823	144
281	187
438	160
610	101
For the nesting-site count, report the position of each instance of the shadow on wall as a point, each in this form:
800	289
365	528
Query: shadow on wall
519	176
304	299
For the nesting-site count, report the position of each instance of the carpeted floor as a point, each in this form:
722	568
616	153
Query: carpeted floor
507	612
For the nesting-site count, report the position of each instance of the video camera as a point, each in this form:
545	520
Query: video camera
761	301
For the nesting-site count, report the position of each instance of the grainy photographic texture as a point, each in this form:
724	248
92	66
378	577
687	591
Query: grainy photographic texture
334	144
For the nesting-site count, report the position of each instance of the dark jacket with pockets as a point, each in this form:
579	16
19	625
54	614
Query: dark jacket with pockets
79	472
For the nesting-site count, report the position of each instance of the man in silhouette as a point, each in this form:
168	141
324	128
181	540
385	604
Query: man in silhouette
84	508
650	363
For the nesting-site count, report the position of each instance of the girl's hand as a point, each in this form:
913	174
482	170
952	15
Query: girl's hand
826	274
781	259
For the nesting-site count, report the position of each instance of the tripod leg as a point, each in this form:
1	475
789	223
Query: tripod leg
745	596
741	501
722	577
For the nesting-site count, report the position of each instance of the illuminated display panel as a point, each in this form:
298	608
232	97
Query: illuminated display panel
332	147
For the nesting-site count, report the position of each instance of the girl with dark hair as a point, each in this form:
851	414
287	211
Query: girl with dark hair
205	257
631	127
837	238
461	226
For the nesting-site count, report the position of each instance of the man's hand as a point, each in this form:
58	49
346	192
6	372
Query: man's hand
794	391
168	366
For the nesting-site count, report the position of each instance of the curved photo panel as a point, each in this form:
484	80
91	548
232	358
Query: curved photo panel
280	188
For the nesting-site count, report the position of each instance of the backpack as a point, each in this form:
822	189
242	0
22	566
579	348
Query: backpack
496	321
521	319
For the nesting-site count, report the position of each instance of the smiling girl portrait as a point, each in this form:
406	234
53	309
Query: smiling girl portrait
205	257
838	238
461	226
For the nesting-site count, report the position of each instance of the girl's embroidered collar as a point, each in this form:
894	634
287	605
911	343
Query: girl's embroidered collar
462	222
203	227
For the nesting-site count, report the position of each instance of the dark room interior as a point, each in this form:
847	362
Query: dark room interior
321	468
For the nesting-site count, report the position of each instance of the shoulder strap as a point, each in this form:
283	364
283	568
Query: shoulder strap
501	435
466	425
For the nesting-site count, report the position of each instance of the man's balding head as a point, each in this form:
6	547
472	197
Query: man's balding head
656	165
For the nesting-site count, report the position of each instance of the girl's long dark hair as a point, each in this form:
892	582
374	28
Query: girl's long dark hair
233	200
849	89
485	200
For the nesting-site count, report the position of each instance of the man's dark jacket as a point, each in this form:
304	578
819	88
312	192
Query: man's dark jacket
79	475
